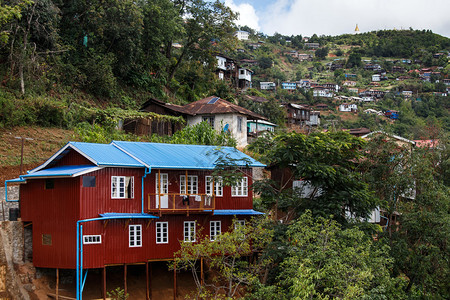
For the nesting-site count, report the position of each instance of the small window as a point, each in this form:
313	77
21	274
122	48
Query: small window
239	123
49	184
239	223
214	230
135	236
189	231
46	239
241	189
209	120
88	181
162	232
122	187
192	184
218	191
92	239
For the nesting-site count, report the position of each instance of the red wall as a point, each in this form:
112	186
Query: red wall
114	248
52	212
56	212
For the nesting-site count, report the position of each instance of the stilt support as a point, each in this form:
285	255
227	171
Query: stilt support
104	283
125	278
174	282
57	283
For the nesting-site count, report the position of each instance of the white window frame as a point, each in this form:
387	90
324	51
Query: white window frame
239	223
134	236
92	239
118	187
162	232
215	229
189	231
241	188
218	186
192	185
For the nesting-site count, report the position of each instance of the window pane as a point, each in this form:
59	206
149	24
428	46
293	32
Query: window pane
88	181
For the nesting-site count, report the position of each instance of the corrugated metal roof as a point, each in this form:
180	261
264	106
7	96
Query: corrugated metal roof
127	216
236	212
179	156
220	106
62	171
106	154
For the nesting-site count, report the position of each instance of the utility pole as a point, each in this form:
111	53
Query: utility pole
21	151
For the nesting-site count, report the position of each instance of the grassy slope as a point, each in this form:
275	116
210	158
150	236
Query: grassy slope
46	141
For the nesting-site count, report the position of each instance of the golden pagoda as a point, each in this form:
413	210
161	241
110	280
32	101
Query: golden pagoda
356	29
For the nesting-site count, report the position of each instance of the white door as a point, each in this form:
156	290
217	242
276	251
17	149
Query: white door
163	185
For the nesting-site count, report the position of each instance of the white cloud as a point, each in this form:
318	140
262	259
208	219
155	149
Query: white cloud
247	14
333	17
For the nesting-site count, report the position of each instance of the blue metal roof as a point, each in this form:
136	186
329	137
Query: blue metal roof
236	212
15	180
62	171
178	156
106	154
127	216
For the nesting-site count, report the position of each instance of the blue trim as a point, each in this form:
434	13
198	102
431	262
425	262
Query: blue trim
16	180
125	216
235	212
62	171
105	216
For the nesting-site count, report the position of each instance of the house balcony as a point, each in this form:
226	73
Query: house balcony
180	203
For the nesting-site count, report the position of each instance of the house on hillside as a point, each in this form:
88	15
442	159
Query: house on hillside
392	114
267	85
353	90
222	116
314	118
242	35
320	91
94	206
349	83
312	45
256	127
226	68
290	86
245	78
304	57
296	114
159	126
348	107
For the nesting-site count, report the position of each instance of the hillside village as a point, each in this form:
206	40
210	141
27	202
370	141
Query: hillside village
172	154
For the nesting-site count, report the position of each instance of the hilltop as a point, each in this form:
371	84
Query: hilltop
88	71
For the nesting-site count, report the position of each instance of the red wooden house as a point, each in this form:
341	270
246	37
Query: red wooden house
96	205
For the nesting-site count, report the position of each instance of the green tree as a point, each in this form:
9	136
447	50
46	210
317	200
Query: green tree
321	53
327	162
325	261
228	255
420	244
205	23
354	60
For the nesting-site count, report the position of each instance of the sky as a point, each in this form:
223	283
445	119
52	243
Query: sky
335	17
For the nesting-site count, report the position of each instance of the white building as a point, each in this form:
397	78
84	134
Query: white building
348	107
319	92
241	35
376	77
268	85
222	116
